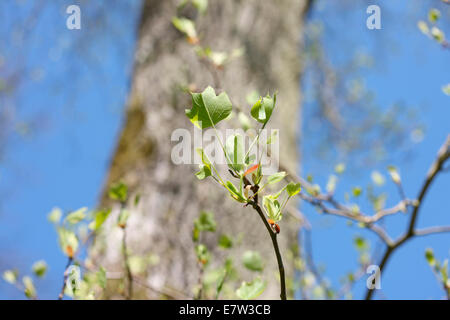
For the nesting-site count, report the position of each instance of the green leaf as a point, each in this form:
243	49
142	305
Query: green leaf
201	5
252	260
204	172
234	192
395	176
202	252
99	219
356	191
29	289
39	268
225	241
251	290
360	243
429	255
423	27
377	178
272	208
205	222
55	215
446	89
234	148
434	15
438	34
119	192
185	26
208	109
76	216
339	168
10	276
68	241
101	277
263	108
276	177
123	218
293	188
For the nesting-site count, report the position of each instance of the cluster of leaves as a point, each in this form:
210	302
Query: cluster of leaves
39	270
435	33
75	230
213	283
187	26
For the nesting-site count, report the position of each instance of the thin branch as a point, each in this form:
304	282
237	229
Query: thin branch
127	265
273	236
442	156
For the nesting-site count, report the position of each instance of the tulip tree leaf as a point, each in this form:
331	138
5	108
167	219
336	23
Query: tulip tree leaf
263	108
208	109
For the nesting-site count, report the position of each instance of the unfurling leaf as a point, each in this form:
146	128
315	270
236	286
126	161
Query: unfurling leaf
68	241
39	268
263	108
234	148
208	109
272	208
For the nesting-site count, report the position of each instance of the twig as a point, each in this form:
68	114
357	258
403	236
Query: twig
127	265
442	156
273	236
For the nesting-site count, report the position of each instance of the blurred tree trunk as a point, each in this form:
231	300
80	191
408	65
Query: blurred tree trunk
171	196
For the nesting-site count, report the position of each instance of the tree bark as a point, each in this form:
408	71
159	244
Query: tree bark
171	197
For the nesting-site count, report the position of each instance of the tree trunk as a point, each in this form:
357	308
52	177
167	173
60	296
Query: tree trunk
171	196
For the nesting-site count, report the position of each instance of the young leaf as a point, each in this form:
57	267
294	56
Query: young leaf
205	222
68	241
208	109
395	176
272	208
276	177
263	108
39	268
76	216
202	252
55	215
429	255
119	192
185	26
234	192
30	290
234	148
293	188
251	290
225	242
10	276
252	260
204	172
99	219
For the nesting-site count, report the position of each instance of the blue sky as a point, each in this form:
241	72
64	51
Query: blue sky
84	79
